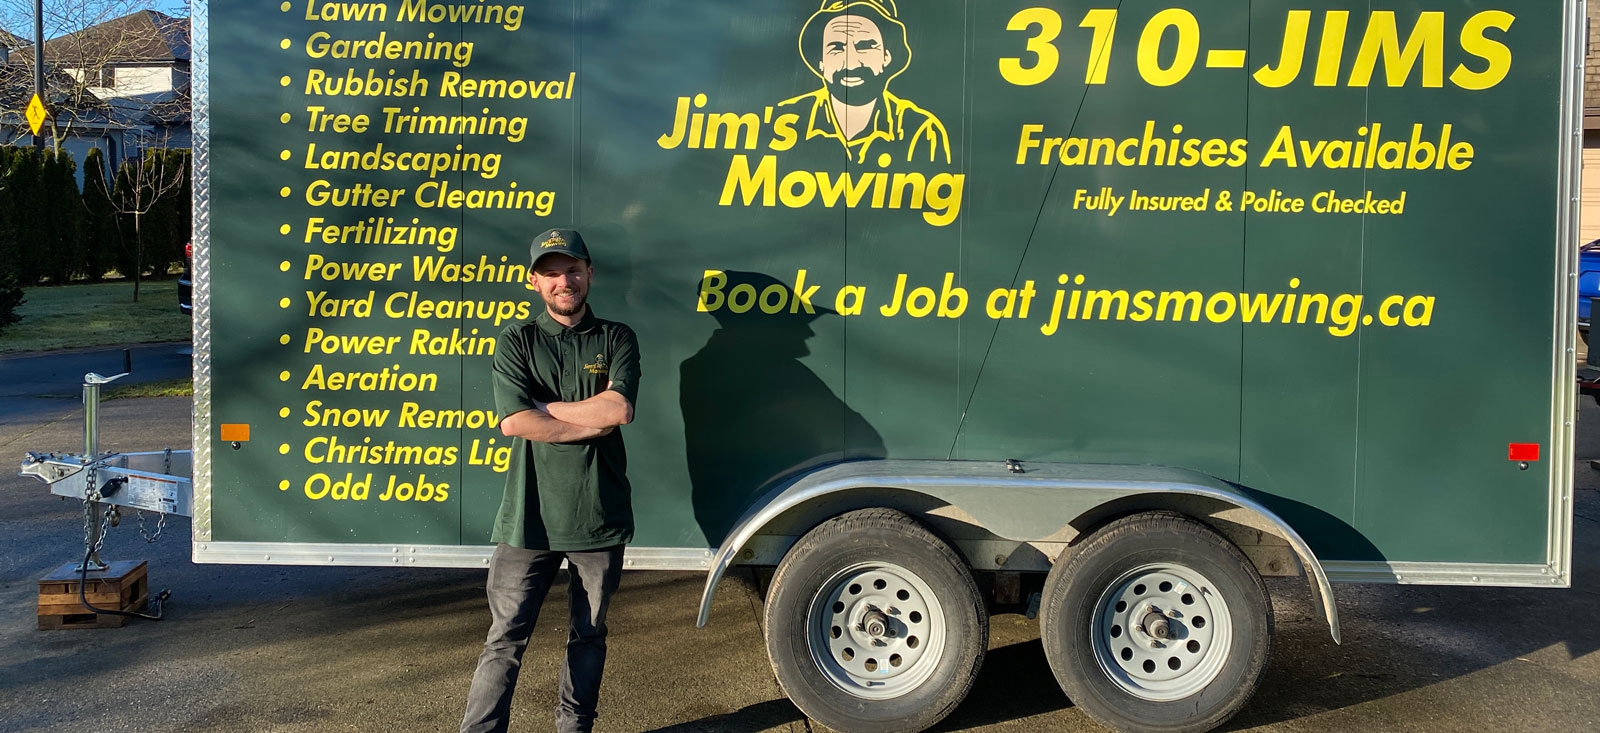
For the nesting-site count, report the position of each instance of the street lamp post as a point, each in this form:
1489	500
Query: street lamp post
38	60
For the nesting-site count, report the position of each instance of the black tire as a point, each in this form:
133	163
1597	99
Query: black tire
1105	567
815	564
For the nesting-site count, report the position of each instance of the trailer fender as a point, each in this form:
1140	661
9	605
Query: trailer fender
1040	499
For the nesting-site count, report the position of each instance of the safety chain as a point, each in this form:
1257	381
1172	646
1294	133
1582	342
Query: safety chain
161	524
91	496
111	517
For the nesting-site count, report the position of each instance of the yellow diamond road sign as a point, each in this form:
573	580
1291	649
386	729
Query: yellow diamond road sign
36	114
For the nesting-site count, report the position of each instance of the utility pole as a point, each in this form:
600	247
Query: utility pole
38	61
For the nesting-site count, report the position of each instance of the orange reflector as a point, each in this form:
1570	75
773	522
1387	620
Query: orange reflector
1524	452
240	432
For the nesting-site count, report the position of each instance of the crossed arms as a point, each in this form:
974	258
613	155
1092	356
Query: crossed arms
517	395
568	422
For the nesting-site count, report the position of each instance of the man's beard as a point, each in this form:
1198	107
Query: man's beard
870	88
577	307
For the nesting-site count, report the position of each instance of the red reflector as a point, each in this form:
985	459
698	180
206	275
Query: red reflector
1524	452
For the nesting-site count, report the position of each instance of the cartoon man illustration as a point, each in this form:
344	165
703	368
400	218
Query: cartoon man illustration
857	47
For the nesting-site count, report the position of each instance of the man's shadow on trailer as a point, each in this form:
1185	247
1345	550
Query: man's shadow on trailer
753	413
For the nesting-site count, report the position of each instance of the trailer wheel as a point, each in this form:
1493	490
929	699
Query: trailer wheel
874	625
1157	623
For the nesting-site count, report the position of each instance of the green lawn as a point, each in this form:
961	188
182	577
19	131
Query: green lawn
181	387
101	314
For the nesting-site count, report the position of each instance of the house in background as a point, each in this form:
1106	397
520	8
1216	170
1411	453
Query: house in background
138	64
122	86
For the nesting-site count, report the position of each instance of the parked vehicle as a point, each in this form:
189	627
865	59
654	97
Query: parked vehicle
1057	316
186	281
1588	283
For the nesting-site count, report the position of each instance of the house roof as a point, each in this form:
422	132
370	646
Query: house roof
142	37
174	110
11	40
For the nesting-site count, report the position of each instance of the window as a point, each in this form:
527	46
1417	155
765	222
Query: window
105	77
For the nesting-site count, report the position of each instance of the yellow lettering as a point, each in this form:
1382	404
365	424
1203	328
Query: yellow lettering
711	284
848	301
1473	41
1382	37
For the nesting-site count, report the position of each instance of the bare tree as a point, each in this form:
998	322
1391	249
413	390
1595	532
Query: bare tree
141	188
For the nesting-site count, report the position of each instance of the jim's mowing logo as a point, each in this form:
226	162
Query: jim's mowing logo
893	149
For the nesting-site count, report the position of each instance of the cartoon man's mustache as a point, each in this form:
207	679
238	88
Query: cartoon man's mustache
860	72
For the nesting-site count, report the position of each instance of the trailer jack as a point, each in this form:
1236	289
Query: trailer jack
106	483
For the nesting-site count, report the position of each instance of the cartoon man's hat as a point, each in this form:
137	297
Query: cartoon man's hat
881	12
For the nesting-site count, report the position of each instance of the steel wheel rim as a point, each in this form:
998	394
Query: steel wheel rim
1128	639
876	666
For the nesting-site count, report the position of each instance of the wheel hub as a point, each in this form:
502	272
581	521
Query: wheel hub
1155	625
877	630
876	624
1161	632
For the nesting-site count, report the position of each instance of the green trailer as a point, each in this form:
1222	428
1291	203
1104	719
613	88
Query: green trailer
1099	311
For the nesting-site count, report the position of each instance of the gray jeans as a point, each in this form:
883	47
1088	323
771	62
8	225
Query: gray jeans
518	582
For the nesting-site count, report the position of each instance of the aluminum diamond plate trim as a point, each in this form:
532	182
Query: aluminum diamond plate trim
199	41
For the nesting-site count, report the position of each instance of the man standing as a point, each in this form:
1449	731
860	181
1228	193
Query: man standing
564	384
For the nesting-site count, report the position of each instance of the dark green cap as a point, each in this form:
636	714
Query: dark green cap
554	241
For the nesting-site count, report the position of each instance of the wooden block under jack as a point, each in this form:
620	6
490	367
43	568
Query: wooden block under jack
123	586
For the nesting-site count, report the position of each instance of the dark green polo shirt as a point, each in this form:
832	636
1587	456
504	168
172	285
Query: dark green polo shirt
565	496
